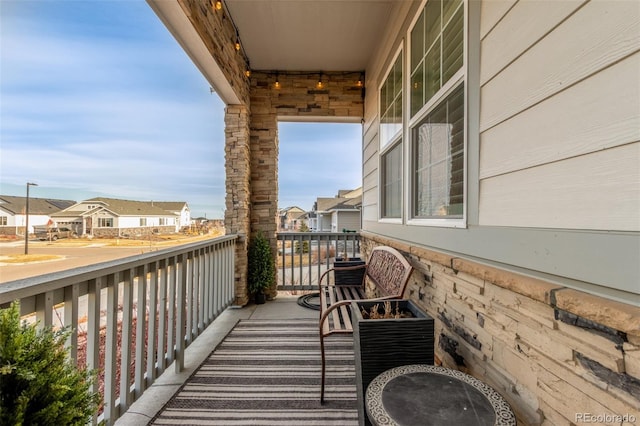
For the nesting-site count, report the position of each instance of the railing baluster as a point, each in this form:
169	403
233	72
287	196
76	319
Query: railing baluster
181	314
152	328
200	298
93	325
188	265
125	342
44	309
92	350
111	349
207	283
141	326
216	257
173	307
71	294
162	312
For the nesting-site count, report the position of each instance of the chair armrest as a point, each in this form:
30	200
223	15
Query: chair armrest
322	277
333	307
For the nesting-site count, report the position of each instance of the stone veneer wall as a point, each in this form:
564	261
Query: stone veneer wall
298	96
11	230
132	232
219	35
238	187
559	356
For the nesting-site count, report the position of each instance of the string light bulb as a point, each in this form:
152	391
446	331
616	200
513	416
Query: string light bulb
238	44
360	82
319	85
247	72
276	85
218	5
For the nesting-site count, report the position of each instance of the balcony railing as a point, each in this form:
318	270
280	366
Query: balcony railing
131	318
304	256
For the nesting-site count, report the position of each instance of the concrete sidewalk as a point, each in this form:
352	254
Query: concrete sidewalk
144	409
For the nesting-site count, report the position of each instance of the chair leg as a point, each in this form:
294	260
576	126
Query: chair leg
323	368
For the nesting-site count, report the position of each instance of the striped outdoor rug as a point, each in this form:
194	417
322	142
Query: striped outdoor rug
268	373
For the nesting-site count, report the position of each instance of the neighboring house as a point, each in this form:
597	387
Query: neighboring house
500	153
13	217
312	219
109	217
340	213
178	208
291	218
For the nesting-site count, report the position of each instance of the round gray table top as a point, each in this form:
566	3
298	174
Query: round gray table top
427	395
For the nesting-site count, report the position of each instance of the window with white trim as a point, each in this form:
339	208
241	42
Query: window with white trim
105	222
438	157
437	112
391	142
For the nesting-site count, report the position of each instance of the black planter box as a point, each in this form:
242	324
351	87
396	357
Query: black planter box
381	344
350	277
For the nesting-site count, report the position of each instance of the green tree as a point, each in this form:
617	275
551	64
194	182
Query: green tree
39	384
305	244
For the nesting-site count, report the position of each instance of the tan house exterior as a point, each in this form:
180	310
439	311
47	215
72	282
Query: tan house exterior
500	152
291	219
340	213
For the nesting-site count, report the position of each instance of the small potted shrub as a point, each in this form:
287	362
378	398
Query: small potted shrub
261	274
39	384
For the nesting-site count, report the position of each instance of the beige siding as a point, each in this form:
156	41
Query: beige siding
521	28
571	123
370	174
596	191
348	220
559	119
564	57
491	12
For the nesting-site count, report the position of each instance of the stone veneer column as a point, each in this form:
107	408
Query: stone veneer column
264	179
238	185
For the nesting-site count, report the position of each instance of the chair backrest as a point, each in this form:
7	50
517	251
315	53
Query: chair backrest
388	269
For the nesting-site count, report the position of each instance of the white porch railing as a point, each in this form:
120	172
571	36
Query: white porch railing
132	317
304	256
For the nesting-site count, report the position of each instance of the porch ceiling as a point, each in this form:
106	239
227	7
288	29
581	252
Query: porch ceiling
288	35
310	35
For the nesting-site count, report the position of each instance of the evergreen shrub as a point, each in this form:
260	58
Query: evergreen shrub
39	384
262	273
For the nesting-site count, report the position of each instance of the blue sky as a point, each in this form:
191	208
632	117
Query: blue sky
98	99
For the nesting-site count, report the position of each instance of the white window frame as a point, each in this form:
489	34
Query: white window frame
460	77
102	221
398	138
